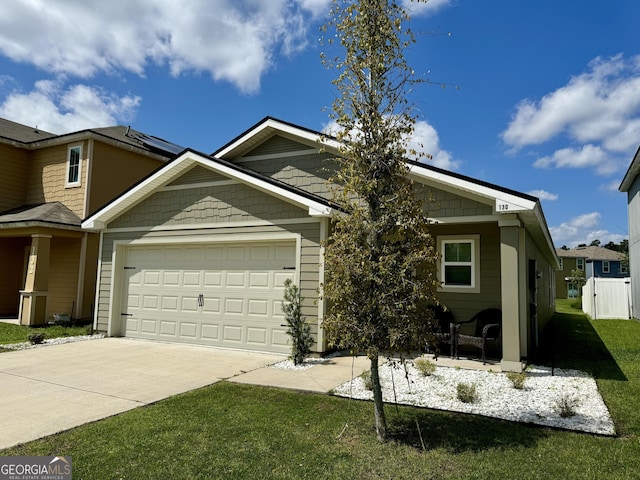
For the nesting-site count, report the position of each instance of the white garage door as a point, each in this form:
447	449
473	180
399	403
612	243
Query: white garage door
216	294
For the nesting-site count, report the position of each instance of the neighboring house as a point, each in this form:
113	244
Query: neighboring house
593	261
48	183
631	185
198	252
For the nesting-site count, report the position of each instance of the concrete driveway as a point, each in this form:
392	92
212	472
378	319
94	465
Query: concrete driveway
54	388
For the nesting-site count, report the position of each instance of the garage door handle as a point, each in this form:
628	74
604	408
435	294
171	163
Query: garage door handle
127	314
201	300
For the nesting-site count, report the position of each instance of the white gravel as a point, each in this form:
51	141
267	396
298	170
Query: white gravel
51	341
536	403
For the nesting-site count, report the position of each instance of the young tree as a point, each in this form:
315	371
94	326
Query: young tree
380	259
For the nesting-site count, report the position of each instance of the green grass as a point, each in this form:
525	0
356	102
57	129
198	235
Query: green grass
10	333
236	431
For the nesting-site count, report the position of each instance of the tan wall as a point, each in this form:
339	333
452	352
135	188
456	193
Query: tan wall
113	171
14	165
465	305
12	262
47	175
63	275
562	290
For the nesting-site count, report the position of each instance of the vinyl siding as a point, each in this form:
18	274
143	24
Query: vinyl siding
465	305
12	259
107	159
307	172
46	182
212	204
442	204
198	174
633	207
64	265
14	165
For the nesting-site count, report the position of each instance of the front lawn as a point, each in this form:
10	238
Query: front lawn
11	333
237	431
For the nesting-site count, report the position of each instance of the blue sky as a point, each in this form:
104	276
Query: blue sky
548	100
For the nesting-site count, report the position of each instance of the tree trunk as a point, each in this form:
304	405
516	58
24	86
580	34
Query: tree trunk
378	405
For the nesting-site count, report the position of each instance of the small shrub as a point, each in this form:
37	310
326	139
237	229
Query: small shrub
366	378
36	338
425	366
297	326
566	406
467	392
517	379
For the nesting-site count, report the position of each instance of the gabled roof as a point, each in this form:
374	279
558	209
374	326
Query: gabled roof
317	206
32	138
44	214
265	129
504	201
590	253
22	133
632	173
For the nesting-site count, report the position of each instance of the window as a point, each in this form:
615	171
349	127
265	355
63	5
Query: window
580	263
605	266
623	267
459	268
74	162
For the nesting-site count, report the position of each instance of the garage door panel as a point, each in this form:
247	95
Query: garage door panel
210	332
150	302
258	307
168	328
232	333
223	295
233	306
257	335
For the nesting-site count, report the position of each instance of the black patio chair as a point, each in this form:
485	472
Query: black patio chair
488	329
444	328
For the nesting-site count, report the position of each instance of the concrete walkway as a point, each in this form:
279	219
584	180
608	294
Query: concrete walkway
54	388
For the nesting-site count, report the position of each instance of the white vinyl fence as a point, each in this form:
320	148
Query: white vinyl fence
607	298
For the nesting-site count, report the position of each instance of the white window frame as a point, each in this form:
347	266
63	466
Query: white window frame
580	263
77	182
606	266
474	240
623	267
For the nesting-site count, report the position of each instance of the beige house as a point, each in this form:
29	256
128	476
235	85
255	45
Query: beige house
48	183
198	252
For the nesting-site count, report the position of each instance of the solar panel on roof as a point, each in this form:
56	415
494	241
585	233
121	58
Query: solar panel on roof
160	144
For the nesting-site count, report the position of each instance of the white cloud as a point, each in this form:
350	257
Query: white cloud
61	110
582	229
600	105
587	156
425	140
426	8
611	186
233	40
544	195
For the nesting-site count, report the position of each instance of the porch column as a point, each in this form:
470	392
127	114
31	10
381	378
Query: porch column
511	272
35	296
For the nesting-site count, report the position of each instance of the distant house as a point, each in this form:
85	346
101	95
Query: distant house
199	250
48	183
631	185
593	261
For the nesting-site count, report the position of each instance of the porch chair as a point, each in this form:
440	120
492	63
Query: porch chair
488	329
444	333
